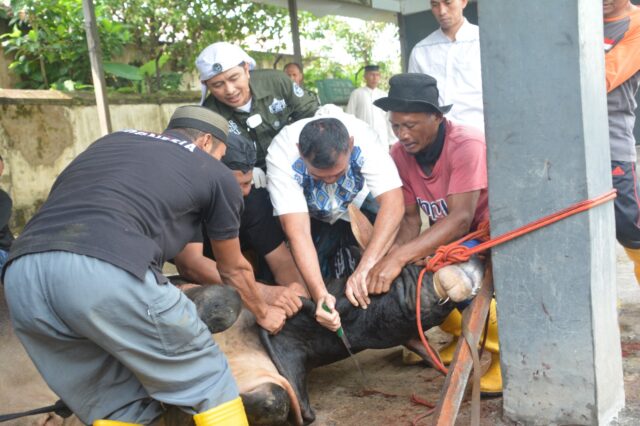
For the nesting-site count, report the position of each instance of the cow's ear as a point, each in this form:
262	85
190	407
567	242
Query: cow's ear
360	226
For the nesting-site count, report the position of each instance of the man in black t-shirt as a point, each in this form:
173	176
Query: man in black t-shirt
260	232
84	285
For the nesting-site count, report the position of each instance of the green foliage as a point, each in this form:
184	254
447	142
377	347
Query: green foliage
358	43
181	29
145	41
128	72
131	79
49	45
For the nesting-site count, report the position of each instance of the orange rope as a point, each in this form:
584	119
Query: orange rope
455	252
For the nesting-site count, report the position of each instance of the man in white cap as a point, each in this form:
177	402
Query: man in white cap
257	103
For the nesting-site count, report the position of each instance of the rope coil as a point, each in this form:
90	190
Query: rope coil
455	252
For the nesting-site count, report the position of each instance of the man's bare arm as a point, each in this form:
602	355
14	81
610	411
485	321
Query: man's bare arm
297	228
410	225
385	230
386	226
234	269
455	225
284	268
462	209
195	267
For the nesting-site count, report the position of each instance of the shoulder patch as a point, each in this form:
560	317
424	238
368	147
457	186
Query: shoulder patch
297	90
277	106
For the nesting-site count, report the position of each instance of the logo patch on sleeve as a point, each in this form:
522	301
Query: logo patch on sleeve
277	106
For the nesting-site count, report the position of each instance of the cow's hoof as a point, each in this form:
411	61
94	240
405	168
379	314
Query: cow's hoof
268	404
218	305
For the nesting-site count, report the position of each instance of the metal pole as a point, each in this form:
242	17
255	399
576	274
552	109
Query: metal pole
295	32
402	31
97	74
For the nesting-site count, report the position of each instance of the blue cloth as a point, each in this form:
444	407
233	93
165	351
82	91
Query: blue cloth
4	255
471	243
336	246
317	193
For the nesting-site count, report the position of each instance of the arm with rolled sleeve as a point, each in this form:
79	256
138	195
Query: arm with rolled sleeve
382	179
222	218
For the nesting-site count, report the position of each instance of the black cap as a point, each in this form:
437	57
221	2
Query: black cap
371	67
412	92
240	154
200	118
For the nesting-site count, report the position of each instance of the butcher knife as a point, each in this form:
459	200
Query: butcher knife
347	345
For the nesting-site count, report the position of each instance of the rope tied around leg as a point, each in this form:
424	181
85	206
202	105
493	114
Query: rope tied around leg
455	252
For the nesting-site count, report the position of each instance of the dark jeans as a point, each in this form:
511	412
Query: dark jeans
337	248
627	203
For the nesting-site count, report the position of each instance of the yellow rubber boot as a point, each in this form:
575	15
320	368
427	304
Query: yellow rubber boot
491	381
113	423
228	414
634	255
453	325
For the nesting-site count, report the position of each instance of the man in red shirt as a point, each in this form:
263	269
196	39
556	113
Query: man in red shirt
443	170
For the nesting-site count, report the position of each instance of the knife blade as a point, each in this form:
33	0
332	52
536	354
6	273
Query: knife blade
343	337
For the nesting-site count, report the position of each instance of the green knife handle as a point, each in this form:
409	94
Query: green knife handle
340	331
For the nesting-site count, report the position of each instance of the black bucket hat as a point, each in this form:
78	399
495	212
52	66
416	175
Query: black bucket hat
412	92
240	154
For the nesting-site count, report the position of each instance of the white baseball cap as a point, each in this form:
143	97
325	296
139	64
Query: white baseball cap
218	58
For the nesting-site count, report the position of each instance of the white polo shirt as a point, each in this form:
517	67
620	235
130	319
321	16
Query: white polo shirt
456	67
293	190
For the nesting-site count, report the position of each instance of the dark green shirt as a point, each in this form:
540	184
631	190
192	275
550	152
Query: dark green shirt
277	99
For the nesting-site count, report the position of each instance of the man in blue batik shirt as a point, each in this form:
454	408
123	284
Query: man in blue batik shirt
315	168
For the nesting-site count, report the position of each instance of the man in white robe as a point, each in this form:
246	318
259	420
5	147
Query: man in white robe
361	105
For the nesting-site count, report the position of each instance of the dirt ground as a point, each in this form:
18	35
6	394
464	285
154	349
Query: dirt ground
335	390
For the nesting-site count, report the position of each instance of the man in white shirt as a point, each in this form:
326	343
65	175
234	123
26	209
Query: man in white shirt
361	105
315	168
451	55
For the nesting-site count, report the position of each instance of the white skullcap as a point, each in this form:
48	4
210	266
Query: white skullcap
217	58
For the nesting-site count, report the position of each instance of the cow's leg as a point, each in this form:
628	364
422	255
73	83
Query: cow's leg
218	305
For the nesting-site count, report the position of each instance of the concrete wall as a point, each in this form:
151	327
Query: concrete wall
41	131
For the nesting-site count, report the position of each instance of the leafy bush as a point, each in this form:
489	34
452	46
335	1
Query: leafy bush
49	44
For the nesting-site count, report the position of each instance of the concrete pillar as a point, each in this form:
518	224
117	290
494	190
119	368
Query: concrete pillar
547	139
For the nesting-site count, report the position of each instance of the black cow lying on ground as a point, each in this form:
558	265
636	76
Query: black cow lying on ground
272	370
